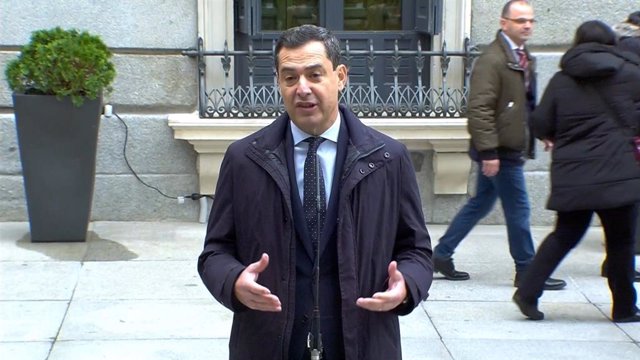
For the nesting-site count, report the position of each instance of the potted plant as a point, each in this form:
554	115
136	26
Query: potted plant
58	81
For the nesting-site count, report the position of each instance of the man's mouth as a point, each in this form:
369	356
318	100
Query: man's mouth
305	105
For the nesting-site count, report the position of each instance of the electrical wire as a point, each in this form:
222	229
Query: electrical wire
194	196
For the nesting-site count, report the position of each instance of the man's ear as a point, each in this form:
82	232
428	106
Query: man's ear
342	76
278	82
503	24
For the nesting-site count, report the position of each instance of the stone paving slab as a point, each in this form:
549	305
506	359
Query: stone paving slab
132	292
502	320
481	349
31	320
32	280
113	280
27	350
164	349
145	320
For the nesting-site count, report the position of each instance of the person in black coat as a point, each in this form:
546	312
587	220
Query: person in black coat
629	33
589	113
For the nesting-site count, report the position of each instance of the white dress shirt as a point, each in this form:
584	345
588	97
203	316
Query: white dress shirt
326	154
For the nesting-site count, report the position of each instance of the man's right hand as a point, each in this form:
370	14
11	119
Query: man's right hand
490	167
252	294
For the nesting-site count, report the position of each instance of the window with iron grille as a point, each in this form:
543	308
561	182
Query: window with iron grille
386	45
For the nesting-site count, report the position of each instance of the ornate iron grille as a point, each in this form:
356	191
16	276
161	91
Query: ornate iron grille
367	101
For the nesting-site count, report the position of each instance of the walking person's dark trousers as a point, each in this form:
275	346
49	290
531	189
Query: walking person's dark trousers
509	186
619	228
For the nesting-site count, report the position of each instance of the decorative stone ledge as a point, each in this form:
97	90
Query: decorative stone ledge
447	137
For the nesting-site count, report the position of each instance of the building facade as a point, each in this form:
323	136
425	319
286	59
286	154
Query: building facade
175	143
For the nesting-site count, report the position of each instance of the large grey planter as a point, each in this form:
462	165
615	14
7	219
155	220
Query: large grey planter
58	143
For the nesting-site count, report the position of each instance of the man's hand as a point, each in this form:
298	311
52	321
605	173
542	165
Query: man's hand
548	144
490	167
252	294
395	294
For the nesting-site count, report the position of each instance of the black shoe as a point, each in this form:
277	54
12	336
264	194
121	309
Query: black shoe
604	272
448	270
529	309
554	284
549	284
633	318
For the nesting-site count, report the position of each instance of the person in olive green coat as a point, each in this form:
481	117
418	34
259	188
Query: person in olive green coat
503	87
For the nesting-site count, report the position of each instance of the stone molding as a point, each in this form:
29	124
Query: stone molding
447	137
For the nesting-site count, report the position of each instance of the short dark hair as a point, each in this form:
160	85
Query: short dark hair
594	31
634	18
298	36
506	9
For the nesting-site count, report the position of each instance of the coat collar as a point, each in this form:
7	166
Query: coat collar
510	55
361	137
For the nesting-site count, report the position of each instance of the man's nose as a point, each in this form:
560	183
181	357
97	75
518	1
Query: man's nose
303	87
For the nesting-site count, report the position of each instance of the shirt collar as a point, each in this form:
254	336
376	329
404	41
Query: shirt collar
330	134
512	44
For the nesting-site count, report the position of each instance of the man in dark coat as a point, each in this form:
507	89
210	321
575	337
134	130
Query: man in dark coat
374	248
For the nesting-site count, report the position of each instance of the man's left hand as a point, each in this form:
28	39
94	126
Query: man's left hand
387	300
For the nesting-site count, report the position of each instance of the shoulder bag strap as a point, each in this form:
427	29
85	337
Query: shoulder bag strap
612	111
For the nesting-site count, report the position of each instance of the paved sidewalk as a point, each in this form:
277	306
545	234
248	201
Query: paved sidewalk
132	293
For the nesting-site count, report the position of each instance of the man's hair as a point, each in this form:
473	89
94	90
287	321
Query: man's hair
594	31
300	35
506	9
634	18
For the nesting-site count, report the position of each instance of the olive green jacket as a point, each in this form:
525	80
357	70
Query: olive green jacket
499	106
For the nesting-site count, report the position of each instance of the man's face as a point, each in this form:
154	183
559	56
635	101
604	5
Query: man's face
518	25
309	86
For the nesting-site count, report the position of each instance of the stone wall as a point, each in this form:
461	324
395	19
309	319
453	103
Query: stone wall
153	79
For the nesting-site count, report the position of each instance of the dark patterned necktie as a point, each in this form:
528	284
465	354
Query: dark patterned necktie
314	197
523	61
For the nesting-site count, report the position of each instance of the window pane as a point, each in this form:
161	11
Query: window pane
270	15
283	14
362	15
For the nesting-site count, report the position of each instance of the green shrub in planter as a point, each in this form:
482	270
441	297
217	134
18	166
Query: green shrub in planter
58	82
62	63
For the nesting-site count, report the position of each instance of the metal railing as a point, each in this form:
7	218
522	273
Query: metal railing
399	100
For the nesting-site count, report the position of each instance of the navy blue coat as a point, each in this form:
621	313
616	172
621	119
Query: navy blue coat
379	219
